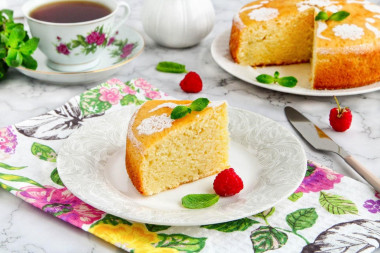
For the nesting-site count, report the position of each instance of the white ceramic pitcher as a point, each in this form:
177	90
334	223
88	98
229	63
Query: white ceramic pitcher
178	23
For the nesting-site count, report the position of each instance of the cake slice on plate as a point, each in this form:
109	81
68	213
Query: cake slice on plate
163	153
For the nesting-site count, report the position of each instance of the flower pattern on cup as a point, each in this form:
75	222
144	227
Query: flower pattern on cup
87	45
319	178
111	95
63	49
8	142
96	38
373	206
127	50
61	203
122	49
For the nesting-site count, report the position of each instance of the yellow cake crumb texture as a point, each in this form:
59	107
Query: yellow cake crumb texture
162	153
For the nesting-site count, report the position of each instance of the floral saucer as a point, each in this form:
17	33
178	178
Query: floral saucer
125	46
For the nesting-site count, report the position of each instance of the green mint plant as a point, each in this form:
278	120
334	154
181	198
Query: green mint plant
337	16
181	111
16	47
286	81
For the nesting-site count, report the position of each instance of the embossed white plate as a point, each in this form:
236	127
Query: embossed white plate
221	54
269	159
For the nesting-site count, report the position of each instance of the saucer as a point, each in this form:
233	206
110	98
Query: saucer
127	45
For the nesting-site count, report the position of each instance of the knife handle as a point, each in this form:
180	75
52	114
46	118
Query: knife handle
362	171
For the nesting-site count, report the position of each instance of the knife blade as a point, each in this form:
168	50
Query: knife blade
321	141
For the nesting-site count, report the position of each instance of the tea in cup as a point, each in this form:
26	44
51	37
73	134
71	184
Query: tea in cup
74	33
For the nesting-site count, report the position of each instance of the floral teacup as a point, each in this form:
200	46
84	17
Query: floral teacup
72	47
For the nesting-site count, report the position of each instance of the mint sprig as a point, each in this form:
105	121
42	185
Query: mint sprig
181	111
286	81
171	67
197	201
337	16
16	47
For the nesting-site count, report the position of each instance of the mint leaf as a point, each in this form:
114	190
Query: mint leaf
171	67
287	81
16	36
339	16
197	201
199	104
264	78
30	46
28	62
15	46
14	58
3	52
322	15
7	12
180	111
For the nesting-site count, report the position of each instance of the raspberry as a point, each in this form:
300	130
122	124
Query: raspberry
228	183
340	118
192	83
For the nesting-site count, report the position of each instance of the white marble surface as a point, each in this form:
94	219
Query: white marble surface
24	228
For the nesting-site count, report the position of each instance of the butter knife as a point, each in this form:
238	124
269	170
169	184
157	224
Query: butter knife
321	141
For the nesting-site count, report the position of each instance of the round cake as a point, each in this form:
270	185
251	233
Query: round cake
163	153
343	54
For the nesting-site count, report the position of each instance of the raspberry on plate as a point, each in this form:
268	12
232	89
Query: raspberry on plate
228	183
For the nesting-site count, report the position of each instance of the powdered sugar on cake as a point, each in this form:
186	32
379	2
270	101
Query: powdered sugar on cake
237	20
216	103
168	105
154	124
130	134
321	27
304	5
346	31
373	29
372	8
263	14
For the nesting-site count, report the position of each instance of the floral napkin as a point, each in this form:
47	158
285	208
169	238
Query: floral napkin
327	213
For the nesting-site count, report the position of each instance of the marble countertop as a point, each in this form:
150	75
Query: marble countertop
24	228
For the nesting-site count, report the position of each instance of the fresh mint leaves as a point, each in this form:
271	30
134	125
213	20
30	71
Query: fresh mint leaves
286	81
16	47
171	67
337	16
181	111
197	201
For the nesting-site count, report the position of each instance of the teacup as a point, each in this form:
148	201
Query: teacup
72	47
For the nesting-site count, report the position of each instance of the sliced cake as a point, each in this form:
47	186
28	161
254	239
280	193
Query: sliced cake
343	54
163	153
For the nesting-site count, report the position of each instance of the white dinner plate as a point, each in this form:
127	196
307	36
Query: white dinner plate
269	159
221	54
111	61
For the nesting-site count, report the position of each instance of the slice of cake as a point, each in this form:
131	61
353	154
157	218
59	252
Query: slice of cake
343	54
162	153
